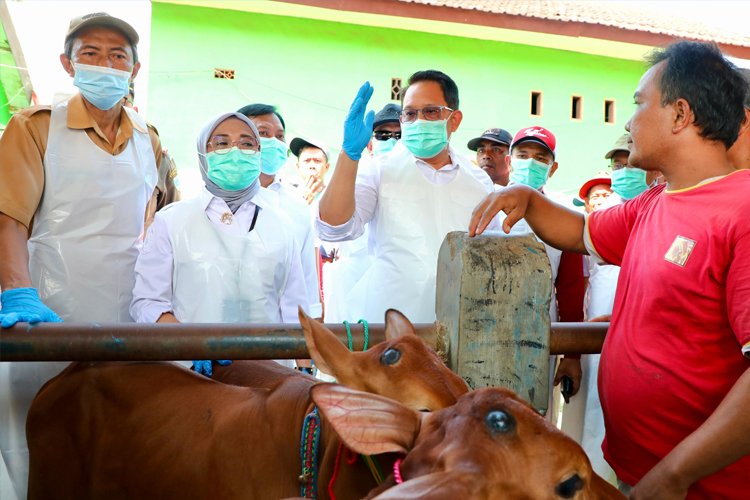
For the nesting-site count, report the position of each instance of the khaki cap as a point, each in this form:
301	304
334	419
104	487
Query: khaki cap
102	19
620	145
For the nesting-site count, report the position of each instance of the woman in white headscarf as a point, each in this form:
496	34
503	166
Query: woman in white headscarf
226	256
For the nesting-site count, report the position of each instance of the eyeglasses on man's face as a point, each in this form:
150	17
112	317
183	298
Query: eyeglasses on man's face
620	166
222	145
430	113
384	135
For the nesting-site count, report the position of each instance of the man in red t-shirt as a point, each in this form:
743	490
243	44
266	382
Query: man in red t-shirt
673	380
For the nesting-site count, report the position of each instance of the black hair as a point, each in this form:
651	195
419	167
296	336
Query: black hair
253	110
447	85
70	40
131	89
746	74
713	87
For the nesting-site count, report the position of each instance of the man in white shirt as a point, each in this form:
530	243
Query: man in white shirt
411	197
353	258
313	162
274	153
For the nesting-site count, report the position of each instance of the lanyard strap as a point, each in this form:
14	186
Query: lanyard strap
255	218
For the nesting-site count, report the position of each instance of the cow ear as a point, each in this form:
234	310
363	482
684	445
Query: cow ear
367	423
326	350
397	325
436	486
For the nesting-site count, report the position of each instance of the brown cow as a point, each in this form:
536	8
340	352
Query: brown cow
491	445
157	430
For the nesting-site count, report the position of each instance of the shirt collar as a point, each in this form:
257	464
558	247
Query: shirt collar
452	156
263	198
80	119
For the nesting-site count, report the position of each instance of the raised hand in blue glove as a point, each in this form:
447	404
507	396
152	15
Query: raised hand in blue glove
204	367
358	126
23	305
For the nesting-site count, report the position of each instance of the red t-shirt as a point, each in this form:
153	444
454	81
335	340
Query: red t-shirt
680	321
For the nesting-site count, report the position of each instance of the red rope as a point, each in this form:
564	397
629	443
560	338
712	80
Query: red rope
335	472
351	457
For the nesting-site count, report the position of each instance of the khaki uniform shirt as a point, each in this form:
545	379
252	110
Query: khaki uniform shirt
24	143
167	189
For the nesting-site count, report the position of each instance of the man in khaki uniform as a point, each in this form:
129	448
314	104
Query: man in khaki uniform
76	178
168	184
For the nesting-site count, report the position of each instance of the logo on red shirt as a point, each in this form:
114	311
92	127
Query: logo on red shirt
680	251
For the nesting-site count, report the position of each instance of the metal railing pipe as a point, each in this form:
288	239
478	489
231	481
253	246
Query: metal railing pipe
167	341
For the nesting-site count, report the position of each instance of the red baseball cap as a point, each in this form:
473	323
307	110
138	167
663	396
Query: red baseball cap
601	178
540	135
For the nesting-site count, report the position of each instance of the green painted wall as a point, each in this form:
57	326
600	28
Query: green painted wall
12	98
312	69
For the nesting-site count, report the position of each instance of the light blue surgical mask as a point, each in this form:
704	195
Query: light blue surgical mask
424	138
273	155
234	170
382	147
103	87
629	182
530	172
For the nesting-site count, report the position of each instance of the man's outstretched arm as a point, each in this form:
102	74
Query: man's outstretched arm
554	224
337	204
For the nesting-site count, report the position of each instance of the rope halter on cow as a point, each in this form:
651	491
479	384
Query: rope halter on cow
397	471
309	454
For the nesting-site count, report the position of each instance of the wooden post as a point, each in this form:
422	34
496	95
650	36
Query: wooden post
493	299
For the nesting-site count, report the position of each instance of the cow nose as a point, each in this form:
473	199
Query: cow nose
500	421
569	487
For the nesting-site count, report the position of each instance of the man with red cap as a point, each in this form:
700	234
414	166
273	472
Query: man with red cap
532	161
596	191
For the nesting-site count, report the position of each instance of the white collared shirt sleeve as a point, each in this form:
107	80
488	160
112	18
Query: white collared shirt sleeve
366	202
152	294
295	292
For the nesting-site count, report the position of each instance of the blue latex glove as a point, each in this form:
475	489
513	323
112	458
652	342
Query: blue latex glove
358	126
23	305
204	367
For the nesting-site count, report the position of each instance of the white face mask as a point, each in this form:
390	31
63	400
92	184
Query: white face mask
103	87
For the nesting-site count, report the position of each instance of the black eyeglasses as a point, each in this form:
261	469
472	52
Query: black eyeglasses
384	135
430	113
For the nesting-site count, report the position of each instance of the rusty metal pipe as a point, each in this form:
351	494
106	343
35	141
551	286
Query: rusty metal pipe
165	341
577	338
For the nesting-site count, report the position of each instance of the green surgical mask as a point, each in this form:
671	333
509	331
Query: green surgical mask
234	170
629	182
273	155
529	172
382	147
424	138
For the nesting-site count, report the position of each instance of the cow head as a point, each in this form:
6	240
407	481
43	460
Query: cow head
491	445
402	368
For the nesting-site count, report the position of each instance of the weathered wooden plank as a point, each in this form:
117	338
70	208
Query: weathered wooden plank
493	298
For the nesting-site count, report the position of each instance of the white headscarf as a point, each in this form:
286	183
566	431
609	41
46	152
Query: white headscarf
234	199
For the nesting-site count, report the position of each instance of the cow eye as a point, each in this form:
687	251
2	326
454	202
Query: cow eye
500	421
569	487
390	357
